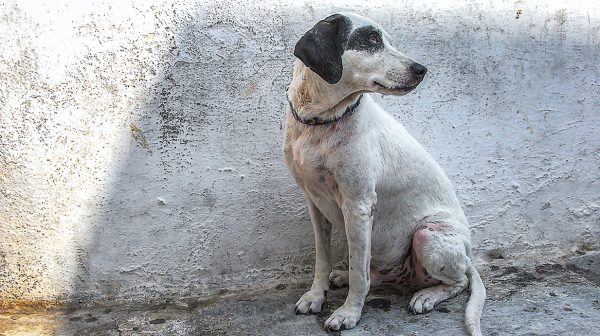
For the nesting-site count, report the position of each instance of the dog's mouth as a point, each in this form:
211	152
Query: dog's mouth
397	88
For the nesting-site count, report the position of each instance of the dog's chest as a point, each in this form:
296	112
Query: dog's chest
312	168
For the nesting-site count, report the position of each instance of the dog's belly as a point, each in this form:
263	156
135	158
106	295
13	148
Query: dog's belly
392	231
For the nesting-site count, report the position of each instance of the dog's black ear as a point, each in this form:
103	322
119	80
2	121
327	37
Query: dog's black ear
321	48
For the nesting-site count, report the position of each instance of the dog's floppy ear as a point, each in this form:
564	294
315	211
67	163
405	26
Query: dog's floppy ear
321	48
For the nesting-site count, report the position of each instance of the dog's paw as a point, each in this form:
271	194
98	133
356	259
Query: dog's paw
424	300
338	278
343	318
310	303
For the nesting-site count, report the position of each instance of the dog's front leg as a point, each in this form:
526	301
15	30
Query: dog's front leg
312	301
358	219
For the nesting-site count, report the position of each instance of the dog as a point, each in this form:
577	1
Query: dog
361	171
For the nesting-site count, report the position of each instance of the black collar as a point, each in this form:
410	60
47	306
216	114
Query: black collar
318	121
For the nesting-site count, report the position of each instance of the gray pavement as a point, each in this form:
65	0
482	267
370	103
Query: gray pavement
535	296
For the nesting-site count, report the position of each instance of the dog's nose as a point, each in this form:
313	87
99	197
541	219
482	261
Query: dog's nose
418	69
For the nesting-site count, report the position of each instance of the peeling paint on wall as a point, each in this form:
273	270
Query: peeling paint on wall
140	141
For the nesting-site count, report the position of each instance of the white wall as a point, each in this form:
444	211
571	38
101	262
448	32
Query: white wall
140	141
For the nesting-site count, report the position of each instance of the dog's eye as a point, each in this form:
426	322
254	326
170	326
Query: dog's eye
374	39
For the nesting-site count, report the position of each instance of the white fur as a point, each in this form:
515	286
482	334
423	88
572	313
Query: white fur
366	174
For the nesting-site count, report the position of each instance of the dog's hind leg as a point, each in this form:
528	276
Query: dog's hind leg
312	301
442	251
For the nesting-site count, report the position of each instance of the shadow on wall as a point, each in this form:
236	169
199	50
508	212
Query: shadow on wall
201	201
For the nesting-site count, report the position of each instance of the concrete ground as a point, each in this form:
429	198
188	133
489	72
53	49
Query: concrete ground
553	296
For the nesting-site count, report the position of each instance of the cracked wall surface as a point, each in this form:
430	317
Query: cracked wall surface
140	140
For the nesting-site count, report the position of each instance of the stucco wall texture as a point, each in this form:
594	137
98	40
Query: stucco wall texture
140	141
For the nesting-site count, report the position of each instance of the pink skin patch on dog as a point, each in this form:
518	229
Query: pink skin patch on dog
411	274
423	236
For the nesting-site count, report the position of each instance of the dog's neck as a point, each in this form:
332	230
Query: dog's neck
312	97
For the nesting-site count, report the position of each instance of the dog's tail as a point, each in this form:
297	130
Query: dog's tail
476	301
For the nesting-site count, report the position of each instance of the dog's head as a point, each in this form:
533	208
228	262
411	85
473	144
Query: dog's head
352	50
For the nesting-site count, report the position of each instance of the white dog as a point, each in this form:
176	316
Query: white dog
360	170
